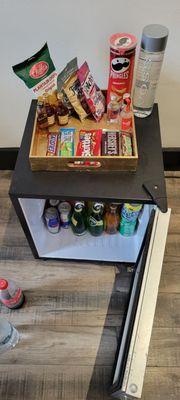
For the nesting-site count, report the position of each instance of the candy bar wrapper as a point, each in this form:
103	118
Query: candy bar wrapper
92	93
52	144
89	143
110	143
68	81
66	142
38	72
126	144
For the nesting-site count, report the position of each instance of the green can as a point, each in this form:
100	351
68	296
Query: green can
129	218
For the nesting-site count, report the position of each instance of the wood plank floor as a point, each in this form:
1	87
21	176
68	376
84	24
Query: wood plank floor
70	323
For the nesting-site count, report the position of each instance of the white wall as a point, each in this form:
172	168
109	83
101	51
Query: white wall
82	28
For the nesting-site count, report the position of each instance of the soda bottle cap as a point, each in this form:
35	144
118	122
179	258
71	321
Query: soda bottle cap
60	96
64	207
154	37
3	284
113	207
126	95
113	97
97	207
79	205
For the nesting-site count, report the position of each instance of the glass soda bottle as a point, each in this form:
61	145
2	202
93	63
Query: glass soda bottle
9	336
49	110
112	219
78	219
41	116
62	111
95	220
10	294
113	110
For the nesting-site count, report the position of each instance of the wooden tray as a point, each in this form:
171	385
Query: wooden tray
40	162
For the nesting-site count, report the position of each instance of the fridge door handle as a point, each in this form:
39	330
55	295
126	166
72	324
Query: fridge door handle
135	367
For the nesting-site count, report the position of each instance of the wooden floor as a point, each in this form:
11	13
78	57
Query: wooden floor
69	329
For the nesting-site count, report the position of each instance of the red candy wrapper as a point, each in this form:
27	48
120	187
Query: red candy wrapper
89	143
52	144
91	91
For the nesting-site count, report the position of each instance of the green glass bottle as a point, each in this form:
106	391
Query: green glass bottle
95	220
78	220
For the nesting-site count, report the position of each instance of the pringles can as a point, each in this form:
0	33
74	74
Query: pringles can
122	55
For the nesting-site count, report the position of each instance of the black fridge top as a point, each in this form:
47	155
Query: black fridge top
146	185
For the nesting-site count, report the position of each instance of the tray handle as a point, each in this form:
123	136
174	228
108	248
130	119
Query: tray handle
84	164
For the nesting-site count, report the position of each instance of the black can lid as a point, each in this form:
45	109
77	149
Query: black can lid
154	38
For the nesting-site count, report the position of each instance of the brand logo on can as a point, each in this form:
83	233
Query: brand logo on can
120	64
39	70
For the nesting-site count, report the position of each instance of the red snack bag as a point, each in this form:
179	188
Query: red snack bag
122	55
89	143
91	91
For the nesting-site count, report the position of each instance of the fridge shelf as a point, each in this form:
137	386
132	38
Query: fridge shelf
66	245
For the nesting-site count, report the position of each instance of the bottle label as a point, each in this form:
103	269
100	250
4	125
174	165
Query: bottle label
63	119
73	220
51	120
94	222
148	72
126	124
13	301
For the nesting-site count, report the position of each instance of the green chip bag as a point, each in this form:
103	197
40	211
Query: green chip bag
38	72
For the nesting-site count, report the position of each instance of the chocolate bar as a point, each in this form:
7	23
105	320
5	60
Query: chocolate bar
66	142
89	143
52	144
110	143
126	144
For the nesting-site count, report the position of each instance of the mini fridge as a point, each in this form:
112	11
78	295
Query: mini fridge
144	250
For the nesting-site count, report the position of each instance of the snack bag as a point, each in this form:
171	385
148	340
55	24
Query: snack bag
89	143
68	81
92	93
38	72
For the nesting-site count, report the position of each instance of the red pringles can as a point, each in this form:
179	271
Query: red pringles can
122	55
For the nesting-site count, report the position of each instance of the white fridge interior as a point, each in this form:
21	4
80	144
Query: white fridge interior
66	245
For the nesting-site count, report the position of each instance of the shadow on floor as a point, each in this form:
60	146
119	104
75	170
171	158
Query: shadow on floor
104	365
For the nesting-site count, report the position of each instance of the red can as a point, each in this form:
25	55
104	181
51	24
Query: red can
122	55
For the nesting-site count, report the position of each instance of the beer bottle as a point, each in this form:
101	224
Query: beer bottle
78	220
95	220
112	219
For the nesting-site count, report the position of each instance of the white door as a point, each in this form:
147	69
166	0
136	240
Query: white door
135	339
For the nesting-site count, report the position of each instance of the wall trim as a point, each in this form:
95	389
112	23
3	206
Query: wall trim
171	157
8	157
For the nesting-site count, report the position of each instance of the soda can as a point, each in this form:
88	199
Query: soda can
122	56
129	218
53	202
52	219
65	214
